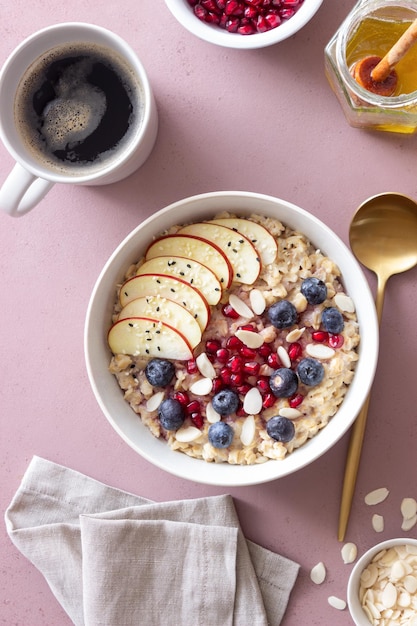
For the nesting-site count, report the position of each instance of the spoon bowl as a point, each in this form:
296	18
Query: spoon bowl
383	237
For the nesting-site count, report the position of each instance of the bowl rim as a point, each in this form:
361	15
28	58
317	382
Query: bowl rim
354	604
105	387
182	11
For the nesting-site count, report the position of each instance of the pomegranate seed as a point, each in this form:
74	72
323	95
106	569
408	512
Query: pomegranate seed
263	384
233	7
249	327
192	2
217	385
290	4
182	397
227	309
223	24
222	355
254	3
200	12
235	364
251	13
320	336
197	420
246	29
286	13
212	345
277	3
249	353
225	375
261	24
294	351
192	366
236	379
251	367
221	4
193	407
273	360
264	350
336	341
234	343
296	400
268	400
212	18
272	20
210	5
243	389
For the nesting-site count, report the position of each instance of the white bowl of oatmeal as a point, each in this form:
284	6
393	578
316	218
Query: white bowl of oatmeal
244	444
382	587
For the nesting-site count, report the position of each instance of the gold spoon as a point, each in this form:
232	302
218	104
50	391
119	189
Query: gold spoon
383	237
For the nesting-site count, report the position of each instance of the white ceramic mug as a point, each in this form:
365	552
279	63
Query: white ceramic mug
33	175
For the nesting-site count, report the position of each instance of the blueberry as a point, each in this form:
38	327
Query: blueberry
282	314
220	435
314	290
159	372
310	371
283	382
332	320
225	402
280	428
171	414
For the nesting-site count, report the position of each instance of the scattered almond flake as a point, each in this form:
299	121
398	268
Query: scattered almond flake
336	603
318	573
252	402
408	508
377	523
389	596
344	303
294	335
250	338
284	357
202	387
240	307
319	351
257	301
212	415
290	413
408	524
185	434
154	401
376	496
349	552
205	366
369	576
248	431
410	583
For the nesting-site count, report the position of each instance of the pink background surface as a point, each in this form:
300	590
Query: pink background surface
262	121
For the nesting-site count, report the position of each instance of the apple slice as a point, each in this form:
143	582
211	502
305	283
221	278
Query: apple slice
194	247
243	256
189	270
166	311
257	234
167	287
144	336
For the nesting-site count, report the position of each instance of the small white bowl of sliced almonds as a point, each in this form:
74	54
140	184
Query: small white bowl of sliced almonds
231	338
382	587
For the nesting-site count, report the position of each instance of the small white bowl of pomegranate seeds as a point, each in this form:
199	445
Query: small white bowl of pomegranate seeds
108	339
243	24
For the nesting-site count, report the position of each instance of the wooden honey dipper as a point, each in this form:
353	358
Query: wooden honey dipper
378	75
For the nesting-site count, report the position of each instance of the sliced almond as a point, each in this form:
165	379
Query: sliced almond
252	403
257	301
284	357
377	523
291	414
240	307
336	603
248	431
376	496
205	366
349	552
250	338
202	387
318	573
154	401
408	508
212	415
294	335
344	303
319	351
186	434
409	523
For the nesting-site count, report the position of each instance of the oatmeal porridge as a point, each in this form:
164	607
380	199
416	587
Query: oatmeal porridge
233	339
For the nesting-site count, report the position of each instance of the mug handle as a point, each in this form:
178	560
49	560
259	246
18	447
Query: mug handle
22	191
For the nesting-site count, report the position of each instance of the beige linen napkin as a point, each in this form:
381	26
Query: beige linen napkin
116	559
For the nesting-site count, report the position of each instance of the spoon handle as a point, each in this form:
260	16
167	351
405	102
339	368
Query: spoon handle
357	436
